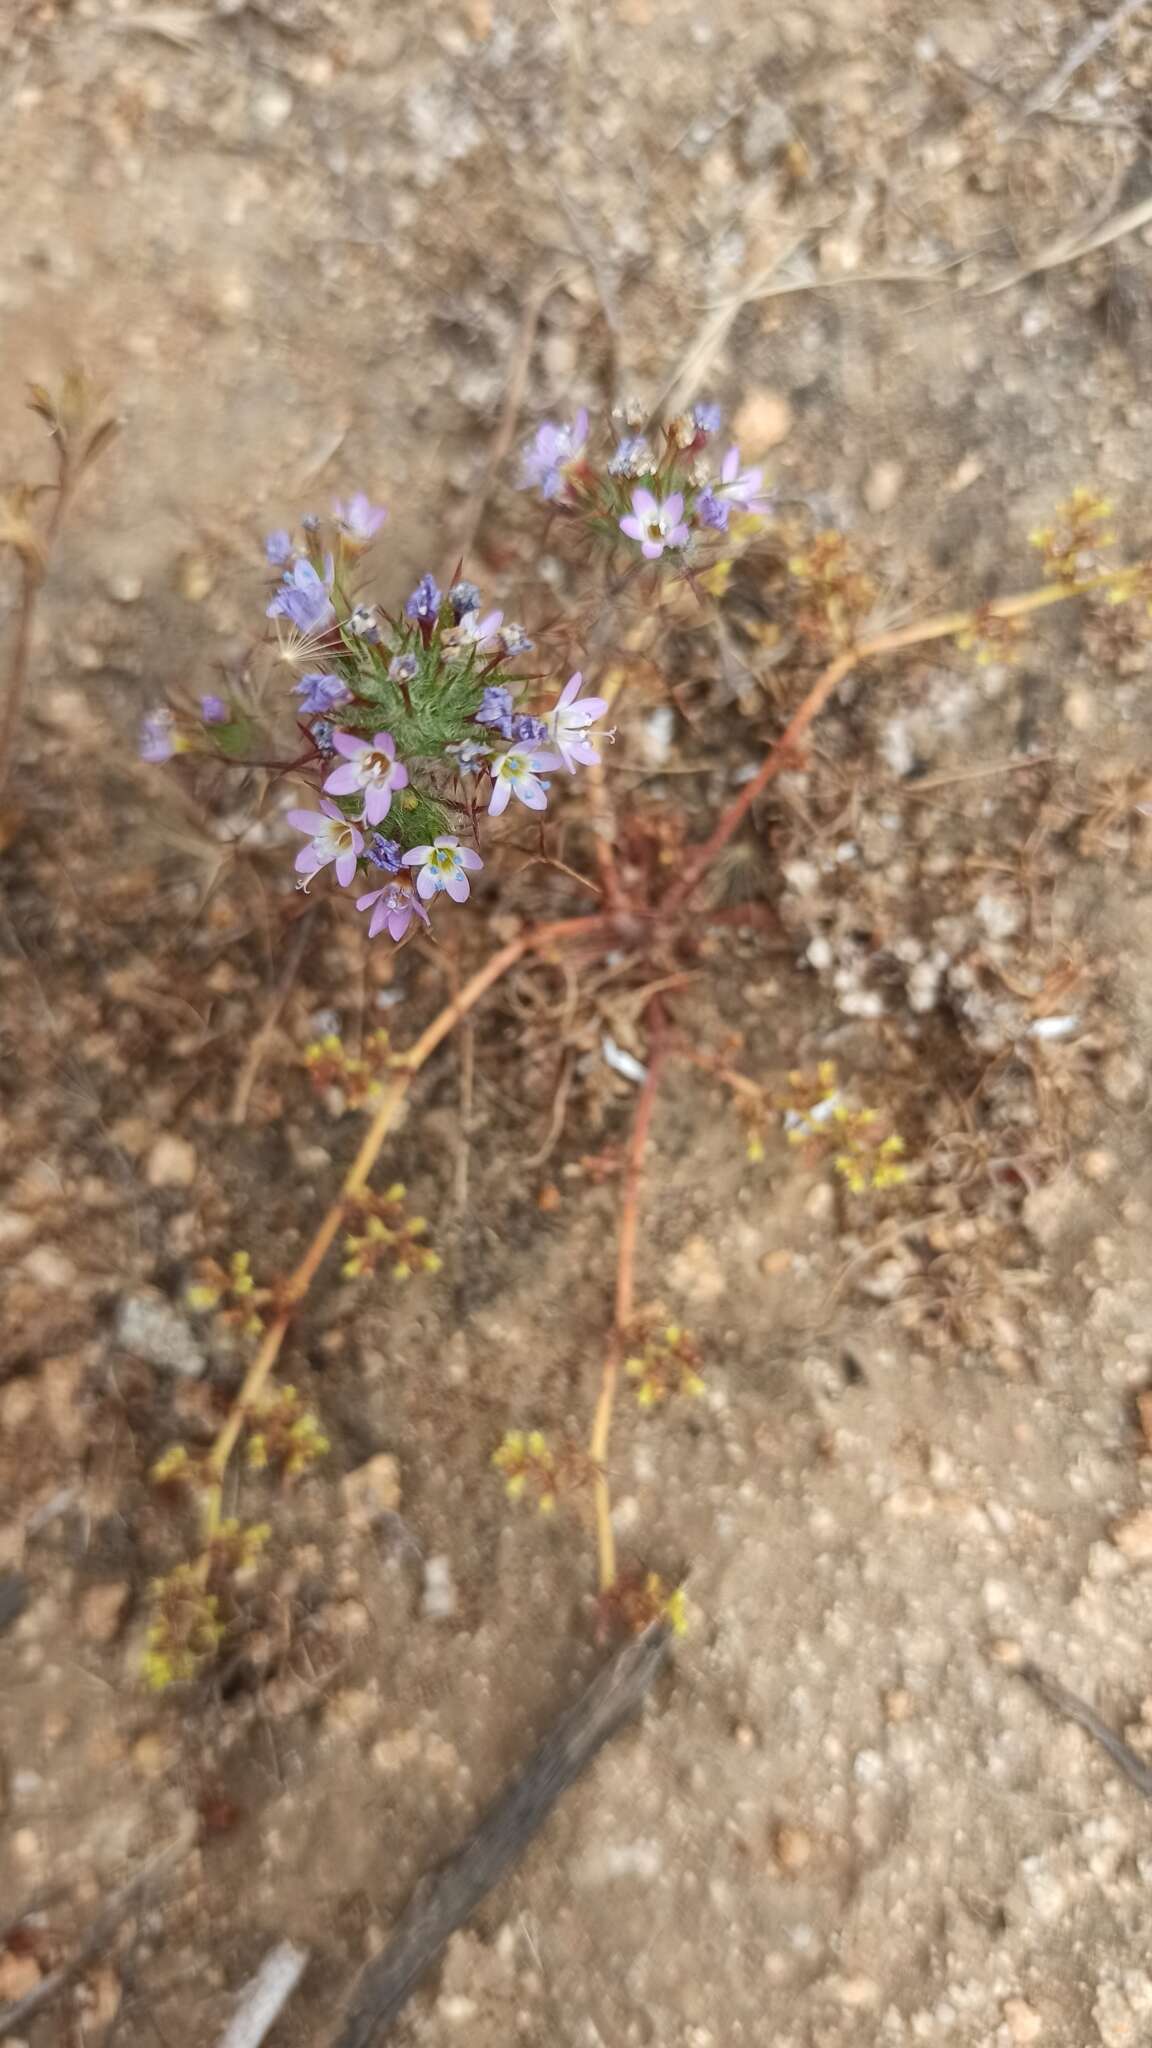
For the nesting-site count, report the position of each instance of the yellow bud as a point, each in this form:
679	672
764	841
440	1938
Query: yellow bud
514	1487
201	1297
755	1150
547	1503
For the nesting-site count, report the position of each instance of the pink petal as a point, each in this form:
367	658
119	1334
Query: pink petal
385	744
501	791
307	821
532	794
458	888
379	920
348	743
678	538
416	854
426	883
373	896
572	687
307	861
343	781
398	779
346	868
398	923
542	764
652	549
377	803
584	752
634	528
731	465
468	859
587	711
644	503
674	507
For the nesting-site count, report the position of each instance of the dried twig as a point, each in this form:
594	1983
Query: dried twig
1044	96
625	1306
1070	248
514	389
296	1287
98	1937
1075	1709
442	1903
254	1059
264	1996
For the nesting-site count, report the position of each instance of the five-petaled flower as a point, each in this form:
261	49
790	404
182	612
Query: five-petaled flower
333	837
475	632
319	693
393	908
304	598
568	724
443	865
358	518
550	454
516	774
740	486
654	524
370	765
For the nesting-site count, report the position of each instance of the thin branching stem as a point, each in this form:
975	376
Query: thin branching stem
941	626
625	1303
294	1289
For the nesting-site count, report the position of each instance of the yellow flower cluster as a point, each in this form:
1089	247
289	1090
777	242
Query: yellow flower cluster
991	638
231	1291
1080	528
839	592
388	1237
357	1075
640	1598
668	1364
865	1154
529	1468
285	1434
186	1630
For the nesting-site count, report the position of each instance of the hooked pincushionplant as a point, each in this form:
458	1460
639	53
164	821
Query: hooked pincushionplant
417	732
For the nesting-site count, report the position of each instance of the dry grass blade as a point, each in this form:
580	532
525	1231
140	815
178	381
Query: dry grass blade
1070	248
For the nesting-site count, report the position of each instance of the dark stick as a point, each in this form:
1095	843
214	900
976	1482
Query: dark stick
442	1903
1078	1710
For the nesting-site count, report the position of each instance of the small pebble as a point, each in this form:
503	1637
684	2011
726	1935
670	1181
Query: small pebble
371	1490
882	486
1133	1536
1022	2020
440	1600
793	1849
171	1163
102	1610
763	421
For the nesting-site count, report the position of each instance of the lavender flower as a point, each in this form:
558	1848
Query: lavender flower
310	523
633	457
319	693
656	526
404	669
474	632
321	737
358	518
707	418
513	641
424	603
278	547
711	510
443	865
384	853
332	837
528	731
516	774
742	486
158	740
304	598
567	724
371	766
214	711
469	755
363	623
393	908
544	463
463	597
496	709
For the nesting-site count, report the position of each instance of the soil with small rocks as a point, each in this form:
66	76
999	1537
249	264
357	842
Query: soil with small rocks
294	239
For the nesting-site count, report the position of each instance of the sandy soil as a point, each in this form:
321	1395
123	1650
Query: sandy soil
296	240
